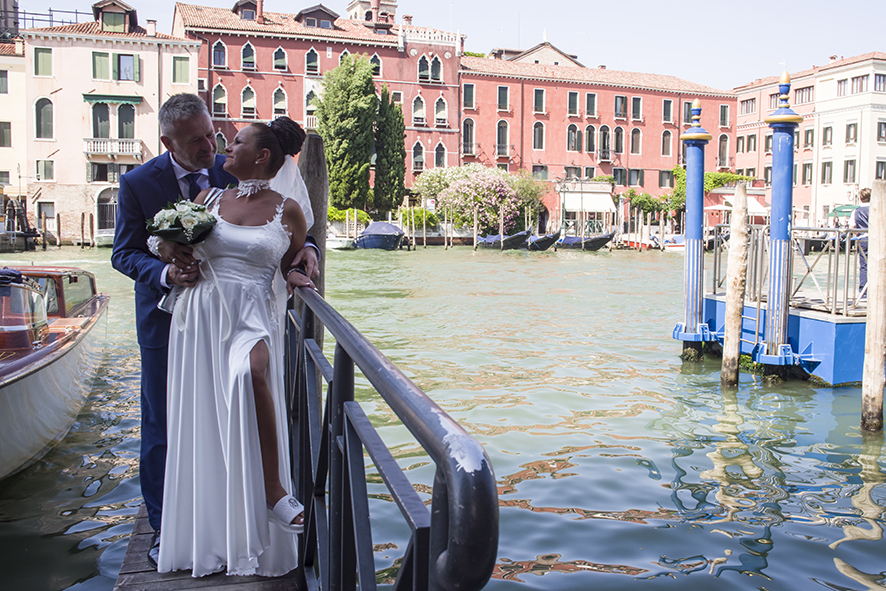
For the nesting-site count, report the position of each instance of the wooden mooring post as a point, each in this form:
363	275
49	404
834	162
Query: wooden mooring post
874	370
736	279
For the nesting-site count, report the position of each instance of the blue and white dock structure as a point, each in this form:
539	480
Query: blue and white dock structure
694	331
775	350
819	329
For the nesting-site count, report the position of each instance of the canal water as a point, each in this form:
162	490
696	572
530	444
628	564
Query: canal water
618	466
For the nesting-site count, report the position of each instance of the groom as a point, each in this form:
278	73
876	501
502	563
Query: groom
190	165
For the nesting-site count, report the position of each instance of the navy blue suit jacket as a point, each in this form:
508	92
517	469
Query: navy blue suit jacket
143	192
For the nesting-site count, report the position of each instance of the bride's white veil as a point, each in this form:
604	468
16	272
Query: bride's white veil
289	183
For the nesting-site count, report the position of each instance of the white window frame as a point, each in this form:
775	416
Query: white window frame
445	122
254	67
424	120
534	126
212	57
663	120
317	71
285	67
473	105
274	102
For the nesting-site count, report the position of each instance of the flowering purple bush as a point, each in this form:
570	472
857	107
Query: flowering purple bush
485	190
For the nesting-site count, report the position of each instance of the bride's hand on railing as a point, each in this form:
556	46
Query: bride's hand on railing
295	278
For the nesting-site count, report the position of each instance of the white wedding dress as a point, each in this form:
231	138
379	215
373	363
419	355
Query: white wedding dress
214	512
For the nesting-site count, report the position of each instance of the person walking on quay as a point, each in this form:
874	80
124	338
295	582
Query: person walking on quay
859	219
190	164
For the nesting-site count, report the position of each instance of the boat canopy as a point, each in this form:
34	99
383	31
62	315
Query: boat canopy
381	229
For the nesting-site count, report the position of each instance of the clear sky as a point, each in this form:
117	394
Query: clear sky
716	43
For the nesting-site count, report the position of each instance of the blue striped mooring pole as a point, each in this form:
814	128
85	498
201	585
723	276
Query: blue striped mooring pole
775	350
693	331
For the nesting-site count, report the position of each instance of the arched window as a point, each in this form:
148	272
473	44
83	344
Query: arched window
126	122
376	65
101	120
618	143
723	152
424	70
280	59
538	136
219	101
344	54
247	57
435	69
279	102
590	132
440	112
310	107
604	145
44	118
418	111
635	141
501	136
467	137
219	55
666	143
221	142
312	62
573	142
418	156
247	103
440	156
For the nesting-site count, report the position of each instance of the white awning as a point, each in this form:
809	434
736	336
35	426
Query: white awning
587	201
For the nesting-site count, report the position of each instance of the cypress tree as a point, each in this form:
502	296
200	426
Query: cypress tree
390	154
346	115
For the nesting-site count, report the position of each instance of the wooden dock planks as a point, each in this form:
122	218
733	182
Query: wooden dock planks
137	574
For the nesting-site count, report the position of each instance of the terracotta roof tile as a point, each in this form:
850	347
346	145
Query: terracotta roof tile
7	49
598	76
283	24
94	28
769	80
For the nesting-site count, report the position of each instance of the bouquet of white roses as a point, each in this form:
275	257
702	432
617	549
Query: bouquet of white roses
183	222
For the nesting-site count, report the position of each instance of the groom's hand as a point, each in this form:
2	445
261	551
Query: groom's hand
185	278
178	255
307	259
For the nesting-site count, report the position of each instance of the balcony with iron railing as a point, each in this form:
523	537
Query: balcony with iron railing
113	147
604	155
470	149
503	150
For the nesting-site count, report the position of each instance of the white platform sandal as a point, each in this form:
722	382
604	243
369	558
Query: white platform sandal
287	509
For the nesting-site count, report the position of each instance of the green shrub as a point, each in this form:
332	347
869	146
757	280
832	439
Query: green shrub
338	215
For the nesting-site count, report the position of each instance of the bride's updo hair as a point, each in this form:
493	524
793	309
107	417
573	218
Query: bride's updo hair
281	137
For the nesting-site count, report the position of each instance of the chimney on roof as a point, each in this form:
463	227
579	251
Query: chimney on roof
151	27
833	58
375	6
260	11
602	66
407	19
19	46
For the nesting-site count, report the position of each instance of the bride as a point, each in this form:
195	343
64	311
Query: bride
227	502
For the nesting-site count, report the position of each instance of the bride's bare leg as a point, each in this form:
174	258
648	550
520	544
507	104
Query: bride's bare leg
267	425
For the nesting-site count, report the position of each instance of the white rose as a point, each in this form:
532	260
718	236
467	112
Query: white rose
188	221
183	207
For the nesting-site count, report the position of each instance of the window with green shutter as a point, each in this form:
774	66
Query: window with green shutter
126	122
247	57
42	61
5	134
4	82
101	121
43	119
280	59
180	70
45	170
112	22
101	66
125	67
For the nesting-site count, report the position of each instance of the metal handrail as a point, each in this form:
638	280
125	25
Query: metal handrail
452	547
834	287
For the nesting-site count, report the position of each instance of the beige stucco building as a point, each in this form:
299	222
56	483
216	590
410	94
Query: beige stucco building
93	93
13	120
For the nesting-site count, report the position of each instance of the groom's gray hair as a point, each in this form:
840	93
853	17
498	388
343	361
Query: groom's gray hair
179	107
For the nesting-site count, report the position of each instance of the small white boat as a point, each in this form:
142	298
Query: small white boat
50	346
104	237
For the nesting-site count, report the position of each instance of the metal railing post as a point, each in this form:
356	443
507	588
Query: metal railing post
342	391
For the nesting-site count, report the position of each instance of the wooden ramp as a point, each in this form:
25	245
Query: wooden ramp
138	574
